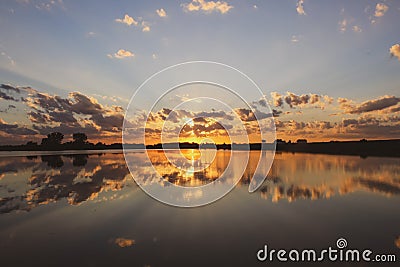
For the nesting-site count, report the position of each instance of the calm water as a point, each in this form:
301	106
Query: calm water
86	210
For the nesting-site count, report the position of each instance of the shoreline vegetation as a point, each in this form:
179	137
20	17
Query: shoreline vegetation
362	148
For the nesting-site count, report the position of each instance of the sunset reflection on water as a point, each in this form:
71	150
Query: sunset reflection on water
88	205
26	182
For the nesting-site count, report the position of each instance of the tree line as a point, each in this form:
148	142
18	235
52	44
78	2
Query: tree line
54	141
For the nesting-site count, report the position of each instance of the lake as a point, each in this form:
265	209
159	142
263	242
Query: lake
86	210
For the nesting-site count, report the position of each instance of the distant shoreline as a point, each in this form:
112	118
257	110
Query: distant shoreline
363	148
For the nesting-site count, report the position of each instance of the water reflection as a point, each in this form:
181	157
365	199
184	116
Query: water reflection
26	182
310	176
37	180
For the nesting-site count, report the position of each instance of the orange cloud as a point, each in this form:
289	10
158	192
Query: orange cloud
207	6
395	51
380	10
128	20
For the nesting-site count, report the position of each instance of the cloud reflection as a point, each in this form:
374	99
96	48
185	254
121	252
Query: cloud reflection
124	242
27	182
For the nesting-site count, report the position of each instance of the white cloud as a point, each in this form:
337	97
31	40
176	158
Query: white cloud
161	12
296	38
395	51
380	10
128	20
9	58
343	25
91	34
122	53
207	6
145	26
48	4
300	7
380	103
356	28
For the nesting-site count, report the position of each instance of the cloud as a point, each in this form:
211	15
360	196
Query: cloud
294	100
356	28
370	126
7	92
122	53
380	103
296	38
204	127
49	4
111	123
178	115
161	13
395	51
207	6
5	96
128	20
14	129
214	114
145	26
91	34
75	113
380	10
38	117
277	99
8	57
251	115
343	25
300	8
82	104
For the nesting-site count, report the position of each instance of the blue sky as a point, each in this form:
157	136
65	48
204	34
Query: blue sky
334	48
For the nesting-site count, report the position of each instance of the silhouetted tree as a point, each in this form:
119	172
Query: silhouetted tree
53	139
53	161
79	160
79	138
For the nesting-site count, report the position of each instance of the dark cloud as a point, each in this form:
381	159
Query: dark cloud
14	129
82	104
65	117
38	117
380	186
10	107
214	114
372	105
276	113
294	100
10	88
251	114
203	127
7	97
108	123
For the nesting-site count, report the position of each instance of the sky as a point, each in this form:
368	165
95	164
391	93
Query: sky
329	70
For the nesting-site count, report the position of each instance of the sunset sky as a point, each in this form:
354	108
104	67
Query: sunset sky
328	69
